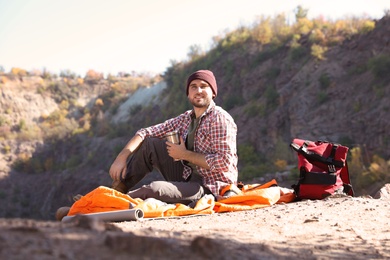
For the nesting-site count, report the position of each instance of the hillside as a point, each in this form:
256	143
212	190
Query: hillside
60	134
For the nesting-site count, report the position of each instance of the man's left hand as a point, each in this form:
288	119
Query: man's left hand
176	151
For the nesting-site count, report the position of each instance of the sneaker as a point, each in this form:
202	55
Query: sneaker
62	212
119	186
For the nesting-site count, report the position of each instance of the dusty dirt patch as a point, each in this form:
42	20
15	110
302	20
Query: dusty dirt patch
334	228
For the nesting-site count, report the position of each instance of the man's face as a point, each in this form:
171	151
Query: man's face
200	93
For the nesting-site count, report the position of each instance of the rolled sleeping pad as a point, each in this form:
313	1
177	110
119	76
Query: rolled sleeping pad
112	216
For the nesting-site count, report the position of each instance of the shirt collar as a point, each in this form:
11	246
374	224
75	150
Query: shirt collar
208	110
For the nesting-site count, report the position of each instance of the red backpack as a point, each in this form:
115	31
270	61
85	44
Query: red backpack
323	169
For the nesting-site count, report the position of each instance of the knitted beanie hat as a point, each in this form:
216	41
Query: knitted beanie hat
205	75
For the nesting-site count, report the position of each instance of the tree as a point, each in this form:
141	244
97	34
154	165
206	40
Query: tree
68	74
93	76
18	72
263	31
300	12
280	27
195	51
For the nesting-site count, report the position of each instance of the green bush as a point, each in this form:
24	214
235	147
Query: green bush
247	154
380	66
324	81
318	51
251	171
73	161
322	97
232	101
255	109
3	121
235	38
135	109
3	195
281	152
251	163
272	96
367	26
61	91
6	149
346	141
266	54
359	69
294	174
297	53
273	73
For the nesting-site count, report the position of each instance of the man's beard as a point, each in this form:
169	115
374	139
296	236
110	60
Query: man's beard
205	103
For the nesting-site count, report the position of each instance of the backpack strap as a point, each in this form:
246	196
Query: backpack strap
332	167
310	155
344	175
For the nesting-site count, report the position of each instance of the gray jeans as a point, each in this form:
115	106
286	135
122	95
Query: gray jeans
152	154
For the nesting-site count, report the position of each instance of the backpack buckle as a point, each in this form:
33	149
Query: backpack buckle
331	168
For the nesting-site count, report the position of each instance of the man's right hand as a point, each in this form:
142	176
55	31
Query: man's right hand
118	169
119	166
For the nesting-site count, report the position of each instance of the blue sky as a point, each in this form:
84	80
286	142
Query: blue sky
136	35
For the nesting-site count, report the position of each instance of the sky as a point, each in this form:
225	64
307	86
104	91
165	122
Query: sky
137	35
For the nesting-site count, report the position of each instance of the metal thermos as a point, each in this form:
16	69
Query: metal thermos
173	137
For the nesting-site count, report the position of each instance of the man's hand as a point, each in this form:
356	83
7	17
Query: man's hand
118	168
176	151
180	152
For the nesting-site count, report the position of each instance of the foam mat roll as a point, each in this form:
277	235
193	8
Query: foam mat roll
112	216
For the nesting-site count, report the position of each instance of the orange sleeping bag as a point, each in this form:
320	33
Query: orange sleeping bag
103	199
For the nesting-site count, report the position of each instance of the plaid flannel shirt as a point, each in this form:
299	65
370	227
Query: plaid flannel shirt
215	137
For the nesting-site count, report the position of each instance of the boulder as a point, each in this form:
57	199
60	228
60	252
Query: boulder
383	193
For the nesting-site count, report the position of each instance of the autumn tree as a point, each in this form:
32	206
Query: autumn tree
262	31
93	76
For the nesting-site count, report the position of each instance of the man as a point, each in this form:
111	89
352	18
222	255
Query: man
204	162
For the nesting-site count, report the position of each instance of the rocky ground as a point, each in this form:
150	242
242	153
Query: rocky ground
334	228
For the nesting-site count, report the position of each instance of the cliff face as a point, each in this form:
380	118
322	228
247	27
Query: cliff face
356	104
343	98
340	98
